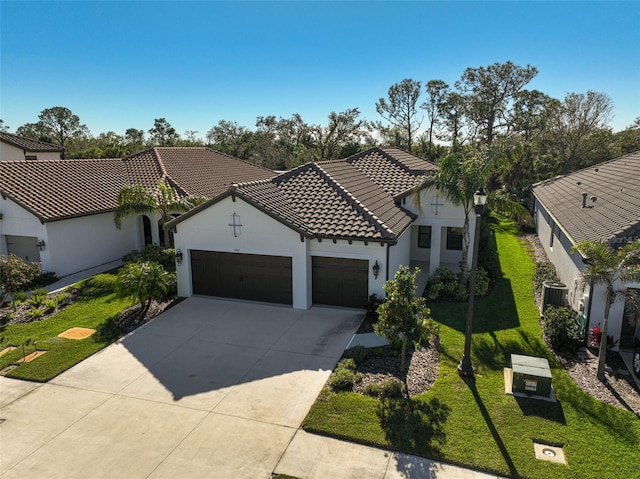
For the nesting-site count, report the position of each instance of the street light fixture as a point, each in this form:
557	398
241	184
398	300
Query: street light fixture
479	200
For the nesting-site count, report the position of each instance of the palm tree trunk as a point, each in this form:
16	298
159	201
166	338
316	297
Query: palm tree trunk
602	350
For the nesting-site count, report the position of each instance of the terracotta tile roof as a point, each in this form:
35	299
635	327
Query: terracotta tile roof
63	188
332	199
615	213
192	171
54	190
28	144
394	170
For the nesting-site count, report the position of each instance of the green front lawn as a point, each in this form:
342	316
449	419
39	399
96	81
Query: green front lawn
474	423
97	309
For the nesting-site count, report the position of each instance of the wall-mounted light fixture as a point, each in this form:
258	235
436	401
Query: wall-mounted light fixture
376	270
179	257
41	245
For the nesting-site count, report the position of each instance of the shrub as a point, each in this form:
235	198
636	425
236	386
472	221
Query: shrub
488	251
347	363
445	284
36	313
37	298
373	390
50	305
344	377
392	388
482	282
152	253
545	271
43	279
20	297
358	353
560	328
373	303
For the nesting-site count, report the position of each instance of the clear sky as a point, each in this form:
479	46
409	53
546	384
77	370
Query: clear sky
119	65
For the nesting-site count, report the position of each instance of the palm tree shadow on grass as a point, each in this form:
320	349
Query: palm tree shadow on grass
413	425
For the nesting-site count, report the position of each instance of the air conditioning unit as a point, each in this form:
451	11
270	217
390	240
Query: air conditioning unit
553	294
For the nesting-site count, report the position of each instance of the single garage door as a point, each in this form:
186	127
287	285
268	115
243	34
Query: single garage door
340	282
242	276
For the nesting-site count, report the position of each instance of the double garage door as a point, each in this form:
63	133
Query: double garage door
242	276
336	281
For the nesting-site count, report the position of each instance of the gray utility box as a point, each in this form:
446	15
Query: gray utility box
531	375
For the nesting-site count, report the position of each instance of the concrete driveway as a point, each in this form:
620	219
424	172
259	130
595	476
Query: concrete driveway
210	388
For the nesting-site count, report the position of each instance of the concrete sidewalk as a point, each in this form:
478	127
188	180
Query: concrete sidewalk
309	456
68	280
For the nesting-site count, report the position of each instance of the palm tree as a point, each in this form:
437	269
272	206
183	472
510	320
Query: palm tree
138	200
144	281
607	266
458	178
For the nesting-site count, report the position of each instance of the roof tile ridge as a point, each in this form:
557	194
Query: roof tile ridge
351	199
410	154
164	176
137	153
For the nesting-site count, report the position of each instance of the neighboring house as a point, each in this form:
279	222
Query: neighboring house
324	233
599	203
16	148
61	213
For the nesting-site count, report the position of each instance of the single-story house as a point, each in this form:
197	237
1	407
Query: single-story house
328	233
599	203
61	212
16	148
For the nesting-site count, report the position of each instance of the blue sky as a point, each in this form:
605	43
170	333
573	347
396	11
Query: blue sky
121	64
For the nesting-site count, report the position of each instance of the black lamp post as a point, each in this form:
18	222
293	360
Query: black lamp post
479	200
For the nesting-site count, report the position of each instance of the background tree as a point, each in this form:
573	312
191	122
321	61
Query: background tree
489	92
15	274
3	127
134	138
343	129
144	281
162	133
165	200
231	138
401	110
453	110
571	123
437	91
607	266
403	316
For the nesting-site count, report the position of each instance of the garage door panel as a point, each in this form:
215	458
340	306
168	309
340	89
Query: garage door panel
242	276
340	281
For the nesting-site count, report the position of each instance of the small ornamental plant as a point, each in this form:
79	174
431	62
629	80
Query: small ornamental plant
403	316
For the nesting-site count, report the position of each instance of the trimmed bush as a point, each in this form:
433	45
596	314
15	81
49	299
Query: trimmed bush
152	253
373	390
545	271
345	376
392	388
560	328
445	284
359	354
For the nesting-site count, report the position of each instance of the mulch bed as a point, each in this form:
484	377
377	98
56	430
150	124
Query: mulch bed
421	373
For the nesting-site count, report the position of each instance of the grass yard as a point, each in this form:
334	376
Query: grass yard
97	309
473	422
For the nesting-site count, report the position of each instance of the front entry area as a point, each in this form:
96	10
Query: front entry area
340	281
242	276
